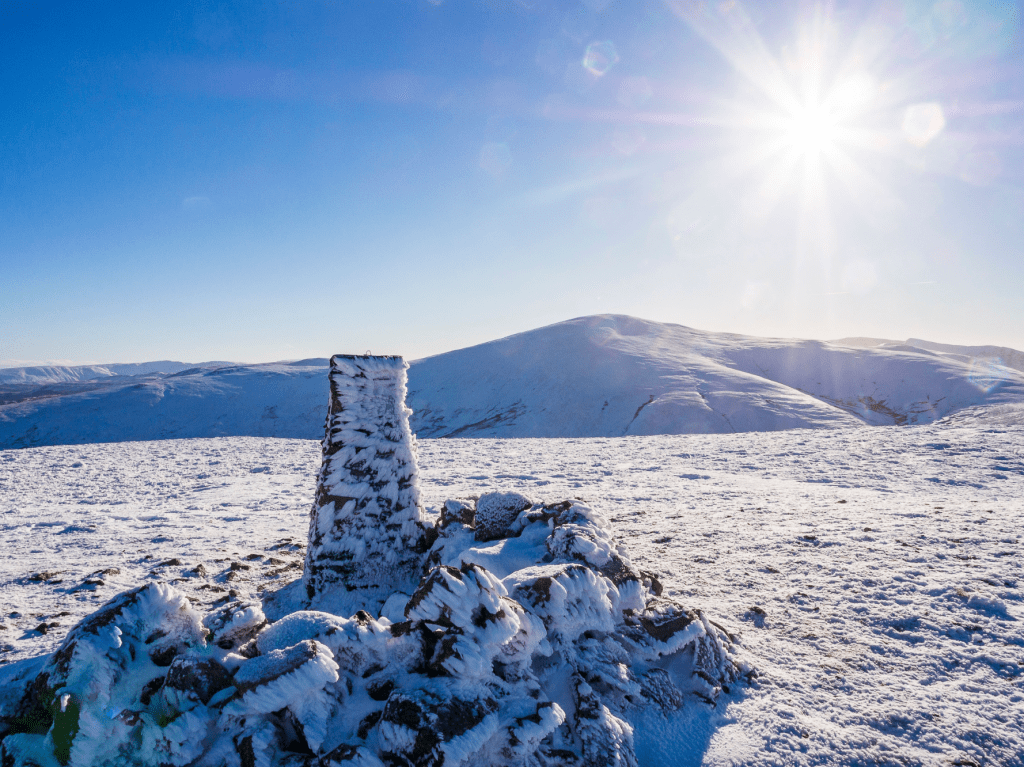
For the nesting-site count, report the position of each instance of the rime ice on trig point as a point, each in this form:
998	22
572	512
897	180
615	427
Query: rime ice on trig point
366	529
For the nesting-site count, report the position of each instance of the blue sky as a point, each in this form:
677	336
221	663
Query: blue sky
279	180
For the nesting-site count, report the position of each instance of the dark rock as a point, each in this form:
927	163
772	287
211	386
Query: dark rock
557	757
380	690
249	676
152	687
235	624
163	656
199	677
435	580
657	686
435	720
619	571
495	513
664	618
457	512
603	742
757	615
368	723
651	581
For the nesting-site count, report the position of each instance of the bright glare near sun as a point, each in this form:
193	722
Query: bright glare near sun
811	125
819	126
812	129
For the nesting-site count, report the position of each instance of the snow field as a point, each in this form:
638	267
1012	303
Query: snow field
886	629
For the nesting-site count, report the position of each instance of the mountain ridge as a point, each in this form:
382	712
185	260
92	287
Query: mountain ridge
595	376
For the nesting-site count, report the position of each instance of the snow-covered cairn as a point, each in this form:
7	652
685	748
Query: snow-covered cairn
367	531
528	637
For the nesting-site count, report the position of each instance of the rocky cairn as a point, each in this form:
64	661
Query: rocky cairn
505	632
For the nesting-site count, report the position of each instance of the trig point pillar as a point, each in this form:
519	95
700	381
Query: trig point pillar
366	530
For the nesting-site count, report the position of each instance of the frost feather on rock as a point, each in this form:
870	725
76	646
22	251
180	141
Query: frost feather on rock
542	666
293	678
93	686
495	513
235	624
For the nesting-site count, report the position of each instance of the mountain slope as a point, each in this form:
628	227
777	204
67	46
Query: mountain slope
981	357
600	376
612	375
254	400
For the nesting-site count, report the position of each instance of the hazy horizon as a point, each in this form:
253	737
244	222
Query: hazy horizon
6	364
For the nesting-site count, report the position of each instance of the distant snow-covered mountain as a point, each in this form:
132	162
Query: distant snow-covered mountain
611	375
599	376
46	374
1001	355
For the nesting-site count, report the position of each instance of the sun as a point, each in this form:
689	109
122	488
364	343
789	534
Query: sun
803	126
811	129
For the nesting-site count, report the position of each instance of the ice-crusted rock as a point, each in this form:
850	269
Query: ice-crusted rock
361	645
293	678
92	687
462	512
469	605
192	679
568	598
605	739
495	513
432	727
538	657
235	624
367	530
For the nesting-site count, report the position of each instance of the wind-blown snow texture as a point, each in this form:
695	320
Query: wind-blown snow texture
601	376
980	355
874	575
542	664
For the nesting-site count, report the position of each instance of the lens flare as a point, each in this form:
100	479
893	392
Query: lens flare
987	373
923	122
600	57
